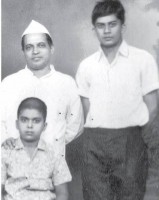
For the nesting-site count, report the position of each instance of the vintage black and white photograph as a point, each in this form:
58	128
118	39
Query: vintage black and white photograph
79	100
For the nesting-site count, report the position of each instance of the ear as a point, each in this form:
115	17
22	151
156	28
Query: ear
16	124
93	28
52	49
123	28
45	126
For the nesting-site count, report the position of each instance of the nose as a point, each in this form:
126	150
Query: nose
107	29
35	50
30	124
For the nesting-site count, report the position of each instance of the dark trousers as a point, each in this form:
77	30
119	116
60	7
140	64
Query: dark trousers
114	164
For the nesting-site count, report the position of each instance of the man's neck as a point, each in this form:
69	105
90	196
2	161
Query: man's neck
42	72
110	52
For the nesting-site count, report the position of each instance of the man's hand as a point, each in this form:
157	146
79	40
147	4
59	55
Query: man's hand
9	143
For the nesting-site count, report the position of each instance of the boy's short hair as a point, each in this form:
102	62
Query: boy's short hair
48	38
33	103
108	7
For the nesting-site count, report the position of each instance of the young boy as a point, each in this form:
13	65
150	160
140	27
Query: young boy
32	171
118	85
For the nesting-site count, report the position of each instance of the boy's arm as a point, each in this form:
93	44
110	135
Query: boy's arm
2	192
4	156
151	100
61	192
86	105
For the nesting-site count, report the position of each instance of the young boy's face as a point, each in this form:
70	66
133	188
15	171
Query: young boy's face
30	124
109	31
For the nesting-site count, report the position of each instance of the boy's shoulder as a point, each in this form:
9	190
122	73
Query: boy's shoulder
48	148
90	59
142	53
7	151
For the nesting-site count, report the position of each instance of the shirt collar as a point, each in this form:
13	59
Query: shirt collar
28	71
123	50
41	145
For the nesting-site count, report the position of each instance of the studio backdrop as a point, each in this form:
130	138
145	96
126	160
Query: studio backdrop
69	22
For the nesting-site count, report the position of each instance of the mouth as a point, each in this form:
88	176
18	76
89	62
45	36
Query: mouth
36	58
107	38
29	133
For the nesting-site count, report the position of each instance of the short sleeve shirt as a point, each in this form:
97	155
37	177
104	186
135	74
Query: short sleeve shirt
116	90
43	167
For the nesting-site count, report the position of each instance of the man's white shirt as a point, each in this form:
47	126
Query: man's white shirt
58	91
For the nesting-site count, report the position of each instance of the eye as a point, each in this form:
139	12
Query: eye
99	26
23	119
28	47
41	45
36	121
113	24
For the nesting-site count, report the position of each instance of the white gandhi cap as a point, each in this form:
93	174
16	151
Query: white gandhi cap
35	27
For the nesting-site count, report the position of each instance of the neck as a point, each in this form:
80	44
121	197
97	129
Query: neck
110	52
42	72
30	144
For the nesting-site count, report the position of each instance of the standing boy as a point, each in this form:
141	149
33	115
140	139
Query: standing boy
118	85
31	170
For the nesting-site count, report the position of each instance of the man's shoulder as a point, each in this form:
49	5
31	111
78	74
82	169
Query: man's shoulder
13	76
64	77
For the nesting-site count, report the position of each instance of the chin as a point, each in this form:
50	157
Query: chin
35	67
108	44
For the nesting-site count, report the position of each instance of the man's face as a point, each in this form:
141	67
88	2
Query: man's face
109	31
37	51
30	124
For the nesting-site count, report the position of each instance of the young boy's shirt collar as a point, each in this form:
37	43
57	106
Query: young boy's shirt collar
19	145
123	50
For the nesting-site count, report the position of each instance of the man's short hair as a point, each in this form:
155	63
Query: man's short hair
108	7
33	103
48	38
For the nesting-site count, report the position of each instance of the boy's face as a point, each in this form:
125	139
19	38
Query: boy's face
30	125
109	31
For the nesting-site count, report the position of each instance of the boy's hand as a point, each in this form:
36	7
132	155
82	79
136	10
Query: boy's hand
9	143
61	192
40	184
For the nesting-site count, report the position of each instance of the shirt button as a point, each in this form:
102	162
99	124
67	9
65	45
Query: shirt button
56	139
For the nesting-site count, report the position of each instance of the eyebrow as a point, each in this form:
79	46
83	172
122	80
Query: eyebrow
23	117
30	44
106	22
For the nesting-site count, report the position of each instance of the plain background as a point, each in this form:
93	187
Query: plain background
69	22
